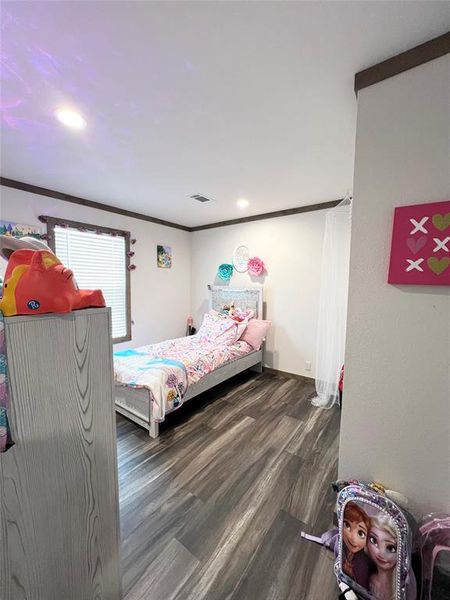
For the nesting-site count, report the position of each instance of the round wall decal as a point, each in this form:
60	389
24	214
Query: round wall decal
240	258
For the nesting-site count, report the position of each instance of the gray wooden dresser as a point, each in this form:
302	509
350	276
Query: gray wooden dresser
59	520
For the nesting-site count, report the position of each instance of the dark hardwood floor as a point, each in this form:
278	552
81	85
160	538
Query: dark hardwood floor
214	508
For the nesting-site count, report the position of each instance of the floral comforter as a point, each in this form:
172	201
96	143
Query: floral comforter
168	368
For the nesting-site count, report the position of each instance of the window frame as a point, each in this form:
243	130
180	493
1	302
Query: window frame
53	222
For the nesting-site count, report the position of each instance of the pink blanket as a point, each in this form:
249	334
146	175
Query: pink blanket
166	369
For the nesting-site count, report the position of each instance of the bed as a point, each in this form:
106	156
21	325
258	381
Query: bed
194	367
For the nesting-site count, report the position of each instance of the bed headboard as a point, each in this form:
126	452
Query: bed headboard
243	297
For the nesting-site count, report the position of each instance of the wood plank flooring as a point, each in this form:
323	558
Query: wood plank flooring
214	508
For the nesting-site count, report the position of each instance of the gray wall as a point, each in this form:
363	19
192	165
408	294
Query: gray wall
396	412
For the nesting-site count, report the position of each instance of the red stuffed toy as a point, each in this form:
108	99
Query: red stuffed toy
36	282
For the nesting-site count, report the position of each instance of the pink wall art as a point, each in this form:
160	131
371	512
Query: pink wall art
420	250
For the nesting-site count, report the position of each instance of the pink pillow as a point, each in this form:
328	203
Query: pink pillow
256	332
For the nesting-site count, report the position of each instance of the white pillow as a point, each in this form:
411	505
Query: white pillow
216	328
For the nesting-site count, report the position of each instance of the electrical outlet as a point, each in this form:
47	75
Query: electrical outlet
308	365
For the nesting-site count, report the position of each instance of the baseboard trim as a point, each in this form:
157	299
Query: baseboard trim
288	375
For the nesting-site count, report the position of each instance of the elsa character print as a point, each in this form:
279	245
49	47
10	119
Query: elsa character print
382	549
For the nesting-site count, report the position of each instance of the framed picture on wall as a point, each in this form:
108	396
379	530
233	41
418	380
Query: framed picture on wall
164	256
18	229
420	250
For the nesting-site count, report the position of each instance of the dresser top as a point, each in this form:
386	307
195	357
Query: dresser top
71	315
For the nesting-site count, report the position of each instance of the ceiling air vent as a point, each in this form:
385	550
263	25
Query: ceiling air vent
201	198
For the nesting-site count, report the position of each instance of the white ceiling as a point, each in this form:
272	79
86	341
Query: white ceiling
227	99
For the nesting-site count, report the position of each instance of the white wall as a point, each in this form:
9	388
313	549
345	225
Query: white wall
291	248
396	411
160	298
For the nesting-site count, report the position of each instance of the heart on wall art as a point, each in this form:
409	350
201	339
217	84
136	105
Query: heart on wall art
420	249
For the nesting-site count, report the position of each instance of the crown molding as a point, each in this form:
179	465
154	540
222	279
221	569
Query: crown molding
270	215
34	189
395	65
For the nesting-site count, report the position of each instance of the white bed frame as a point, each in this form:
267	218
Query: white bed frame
135	403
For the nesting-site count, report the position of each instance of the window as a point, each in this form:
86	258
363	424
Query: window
98	257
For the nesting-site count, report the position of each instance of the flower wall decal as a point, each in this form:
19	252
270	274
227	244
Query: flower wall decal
225	271
256	266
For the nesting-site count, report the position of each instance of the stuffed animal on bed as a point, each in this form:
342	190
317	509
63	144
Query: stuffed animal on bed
37	282
236	313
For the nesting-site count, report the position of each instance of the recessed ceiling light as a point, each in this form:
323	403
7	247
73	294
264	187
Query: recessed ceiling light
70	118
242	203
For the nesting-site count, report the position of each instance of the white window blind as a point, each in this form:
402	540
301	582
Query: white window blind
98	261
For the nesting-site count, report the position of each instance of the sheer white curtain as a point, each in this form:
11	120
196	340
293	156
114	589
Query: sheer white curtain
333	304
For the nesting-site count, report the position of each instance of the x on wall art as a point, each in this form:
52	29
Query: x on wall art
420	250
